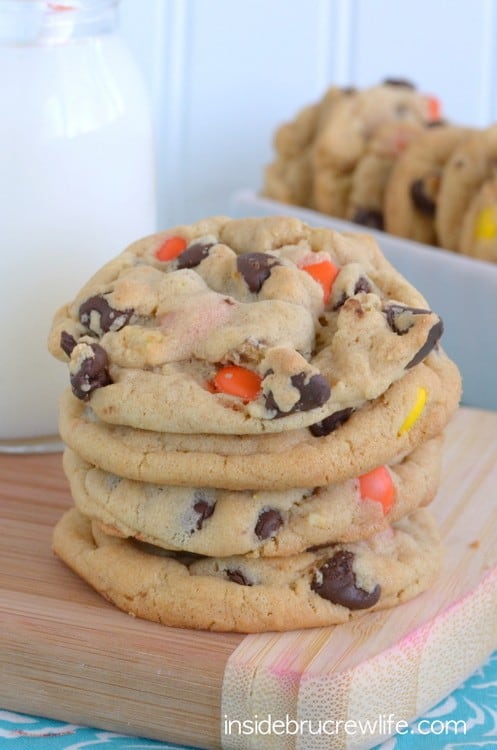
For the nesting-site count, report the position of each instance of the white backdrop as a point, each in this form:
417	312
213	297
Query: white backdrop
223	74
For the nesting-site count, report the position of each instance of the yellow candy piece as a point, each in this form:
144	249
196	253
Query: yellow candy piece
486	224
415	412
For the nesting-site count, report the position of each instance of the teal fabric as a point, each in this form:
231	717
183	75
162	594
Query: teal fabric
473	706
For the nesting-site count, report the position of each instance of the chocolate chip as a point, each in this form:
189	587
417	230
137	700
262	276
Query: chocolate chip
313	393
399	317
369	217
362	285
194	254
268	523
423	202
435	124
92	374
433	337
203	507
336	582
237	577
256	268
331	423
67	342
401	82
107	319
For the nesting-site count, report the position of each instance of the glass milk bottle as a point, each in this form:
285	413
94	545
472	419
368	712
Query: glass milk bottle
77	185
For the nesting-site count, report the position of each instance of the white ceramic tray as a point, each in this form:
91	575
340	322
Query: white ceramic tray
462	290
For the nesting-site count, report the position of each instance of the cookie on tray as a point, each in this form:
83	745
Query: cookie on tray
479	228
345	445
220	523
371	176
326	586
411	195
289	178
240	327
343	141
471	164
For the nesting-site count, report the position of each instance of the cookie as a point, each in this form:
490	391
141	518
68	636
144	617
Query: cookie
289	178
240	327
343	141
293	137
471	164
479	228
346	445
220	523
322	587
371	176
331	191
411	195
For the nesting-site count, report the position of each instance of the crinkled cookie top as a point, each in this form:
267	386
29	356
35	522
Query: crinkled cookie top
242	326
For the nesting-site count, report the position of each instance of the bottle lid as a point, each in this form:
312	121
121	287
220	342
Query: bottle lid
38	22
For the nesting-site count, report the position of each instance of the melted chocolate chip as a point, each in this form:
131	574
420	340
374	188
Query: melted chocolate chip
432	339
67	342
435	124
362	285
369	217
423	202
194	255
255	269
108	318
313	393
336	582
203	508
237	577
402	82
399	317
92	374
268	523
331	423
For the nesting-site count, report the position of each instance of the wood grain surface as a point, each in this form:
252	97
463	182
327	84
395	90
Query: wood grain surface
68	654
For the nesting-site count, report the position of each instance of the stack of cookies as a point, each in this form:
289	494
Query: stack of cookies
374	157
253	428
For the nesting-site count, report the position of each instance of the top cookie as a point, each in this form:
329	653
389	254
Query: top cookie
343	141
241	327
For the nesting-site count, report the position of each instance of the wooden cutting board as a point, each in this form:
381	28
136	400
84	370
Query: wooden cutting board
68	654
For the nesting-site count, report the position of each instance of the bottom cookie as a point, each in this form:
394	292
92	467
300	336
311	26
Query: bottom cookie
325	586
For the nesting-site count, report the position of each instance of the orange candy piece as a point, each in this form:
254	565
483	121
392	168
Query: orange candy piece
238	381
325	273
170	248
434	108
377	485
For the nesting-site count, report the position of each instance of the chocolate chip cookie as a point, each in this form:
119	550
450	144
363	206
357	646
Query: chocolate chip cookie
411	195
221	523
471	164
326	586
345	445
343	141
241	327
372	173
479	228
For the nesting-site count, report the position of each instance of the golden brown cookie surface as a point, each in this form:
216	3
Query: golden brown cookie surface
324	587
241	326
220	523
